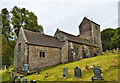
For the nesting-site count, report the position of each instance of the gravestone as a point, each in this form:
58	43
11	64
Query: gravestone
117	50
65	72
33	81
11	77
18	80
24	80
38	70
5	67
77	72
107	51
97	74
25	67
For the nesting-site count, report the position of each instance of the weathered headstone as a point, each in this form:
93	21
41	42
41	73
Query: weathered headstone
65	72
77	72
38	70
107	51
5	67
11	77
18	80
24	80
97	74
117	50
113	50
25	67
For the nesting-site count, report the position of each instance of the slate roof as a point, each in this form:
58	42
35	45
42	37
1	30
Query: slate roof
78	39
88	20
41	39
34	38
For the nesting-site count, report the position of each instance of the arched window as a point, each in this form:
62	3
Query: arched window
19	47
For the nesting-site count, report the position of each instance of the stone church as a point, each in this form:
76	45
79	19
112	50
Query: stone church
35	49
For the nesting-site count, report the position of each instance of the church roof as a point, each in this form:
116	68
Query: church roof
35	38
86	19
77	39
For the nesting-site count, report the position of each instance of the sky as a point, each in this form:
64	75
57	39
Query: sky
68	14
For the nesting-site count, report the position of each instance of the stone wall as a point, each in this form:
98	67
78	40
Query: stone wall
64	52
20	56
60	36
93	51
97	35
91	31
73	56
52	56
85	29
84	51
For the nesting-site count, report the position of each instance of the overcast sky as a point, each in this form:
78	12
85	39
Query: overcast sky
68	14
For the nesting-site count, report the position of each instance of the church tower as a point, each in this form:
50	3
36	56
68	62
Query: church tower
91	31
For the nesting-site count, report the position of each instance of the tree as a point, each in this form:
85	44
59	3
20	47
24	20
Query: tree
7	52
106	36
12	21
116	38
21	17
6	29
110	38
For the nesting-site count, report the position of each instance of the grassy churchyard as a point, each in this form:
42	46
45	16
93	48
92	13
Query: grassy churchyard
108	64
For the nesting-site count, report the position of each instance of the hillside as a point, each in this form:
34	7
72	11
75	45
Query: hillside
107	62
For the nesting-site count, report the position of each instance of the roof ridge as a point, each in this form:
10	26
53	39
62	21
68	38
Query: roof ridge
38	33
22	30
90	20
68	33
35	38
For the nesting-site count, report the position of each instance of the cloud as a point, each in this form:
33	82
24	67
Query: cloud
67	14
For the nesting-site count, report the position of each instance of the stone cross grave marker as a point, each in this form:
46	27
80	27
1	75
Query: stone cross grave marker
77	72
24	80
65	72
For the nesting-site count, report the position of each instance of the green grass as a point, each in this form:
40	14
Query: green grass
5	75
106	62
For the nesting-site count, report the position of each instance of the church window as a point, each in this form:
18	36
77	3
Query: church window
19	47
42	54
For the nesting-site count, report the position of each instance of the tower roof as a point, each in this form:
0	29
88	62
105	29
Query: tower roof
86	19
